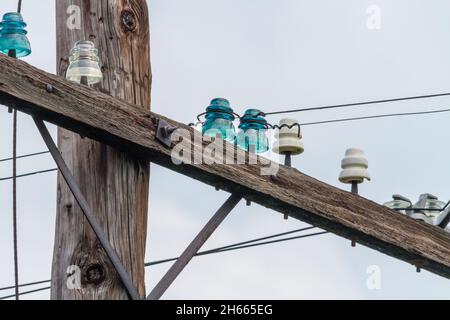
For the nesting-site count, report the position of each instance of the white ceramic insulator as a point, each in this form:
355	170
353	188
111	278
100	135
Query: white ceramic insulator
288	139
354	167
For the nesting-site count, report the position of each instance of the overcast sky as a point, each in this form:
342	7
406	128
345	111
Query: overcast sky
273	55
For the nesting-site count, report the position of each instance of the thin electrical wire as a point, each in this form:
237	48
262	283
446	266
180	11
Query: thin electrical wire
29	174
229	248
12	53
25	285
25	156
260	239
25	292
14	178
347	105
387	115
303	124
215	250
274	241
149	264
239	245
212	252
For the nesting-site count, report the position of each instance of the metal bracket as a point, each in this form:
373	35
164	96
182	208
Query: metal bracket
87	211
446	220
194	247
164	132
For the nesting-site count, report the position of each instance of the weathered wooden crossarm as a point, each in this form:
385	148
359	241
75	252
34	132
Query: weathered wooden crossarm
114	122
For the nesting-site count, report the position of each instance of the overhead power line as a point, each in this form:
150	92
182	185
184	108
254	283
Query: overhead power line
347	105
228	247
25	156
25	285
14	205
29	174
388	115
315	122
25	292
232	247
273	241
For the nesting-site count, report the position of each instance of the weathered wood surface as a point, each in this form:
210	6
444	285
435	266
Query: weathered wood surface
132	130
114	183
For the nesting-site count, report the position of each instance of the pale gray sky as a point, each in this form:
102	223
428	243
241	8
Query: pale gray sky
270	54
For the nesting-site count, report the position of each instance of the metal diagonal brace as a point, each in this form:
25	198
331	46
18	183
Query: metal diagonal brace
194	247
68	177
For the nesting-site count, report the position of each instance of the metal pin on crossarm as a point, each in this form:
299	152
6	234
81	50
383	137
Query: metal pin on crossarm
354	171
288	142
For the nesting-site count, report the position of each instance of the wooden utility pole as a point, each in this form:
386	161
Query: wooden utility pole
134	130
114	183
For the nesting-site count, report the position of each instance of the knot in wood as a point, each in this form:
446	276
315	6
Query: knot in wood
95	274
129	20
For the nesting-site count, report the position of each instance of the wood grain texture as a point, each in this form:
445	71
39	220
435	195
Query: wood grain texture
114	183
120	124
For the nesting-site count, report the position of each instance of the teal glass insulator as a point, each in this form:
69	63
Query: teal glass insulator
219	120
13	36
84	64
252	135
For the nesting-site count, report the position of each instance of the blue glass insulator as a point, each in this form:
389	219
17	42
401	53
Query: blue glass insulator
252	135
219	120
13	35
